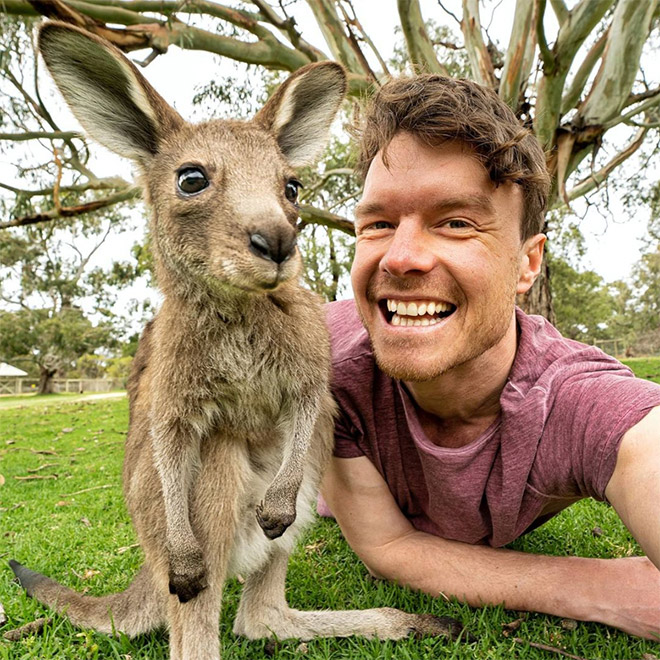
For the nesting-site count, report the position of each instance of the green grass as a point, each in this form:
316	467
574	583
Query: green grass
84	540
648	367
30	400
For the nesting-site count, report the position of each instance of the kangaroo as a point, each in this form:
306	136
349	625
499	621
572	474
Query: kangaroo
231	417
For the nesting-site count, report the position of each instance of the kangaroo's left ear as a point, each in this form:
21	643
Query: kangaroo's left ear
531	262
301	110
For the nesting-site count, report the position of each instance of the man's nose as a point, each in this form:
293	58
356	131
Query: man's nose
408	252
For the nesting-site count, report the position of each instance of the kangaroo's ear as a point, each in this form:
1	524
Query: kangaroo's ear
107	94
301	110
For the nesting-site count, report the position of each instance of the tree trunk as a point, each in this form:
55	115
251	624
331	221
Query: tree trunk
46	376
538	300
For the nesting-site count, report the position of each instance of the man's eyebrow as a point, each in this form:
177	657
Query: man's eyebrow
475	200
368	208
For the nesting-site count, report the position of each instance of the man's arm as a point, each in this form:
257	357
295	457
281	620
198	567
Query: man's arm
634	488
624	592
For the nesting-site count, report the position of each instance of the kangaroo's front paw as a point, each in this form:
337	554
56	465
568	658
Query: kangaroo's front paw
187	575
274	521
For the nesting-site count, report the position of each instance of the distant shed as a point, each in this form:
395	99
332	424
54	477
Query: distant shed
7	371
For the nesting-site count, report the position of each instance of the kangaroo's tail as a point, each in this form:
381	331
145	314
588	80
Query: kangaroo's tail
138	609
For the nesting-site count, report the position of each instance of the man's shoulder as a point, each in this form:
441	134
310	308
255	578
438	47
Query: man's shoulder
548	361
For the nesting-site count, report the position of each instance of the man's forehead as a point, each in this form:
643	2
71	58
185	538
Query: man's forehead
412	175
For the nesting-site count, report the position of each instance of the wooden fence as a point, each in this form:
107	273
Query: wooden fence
646	345
27	385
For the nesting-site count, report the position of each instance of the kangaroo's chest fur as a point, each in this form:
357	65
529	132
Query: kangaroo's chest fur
238	372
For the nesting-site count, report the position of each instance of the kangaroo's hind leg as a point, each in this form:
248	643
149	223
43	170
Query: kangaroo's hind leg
263	612
194	625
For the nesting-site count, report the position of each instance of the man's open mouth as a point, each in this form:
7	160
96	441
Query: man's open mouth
416	312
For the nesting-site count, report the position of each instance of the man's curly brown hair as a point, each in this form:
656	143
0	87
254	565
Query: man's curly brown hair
436	109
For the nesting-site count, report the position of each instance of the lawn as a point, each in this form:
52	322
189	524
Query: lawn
71	524
648	367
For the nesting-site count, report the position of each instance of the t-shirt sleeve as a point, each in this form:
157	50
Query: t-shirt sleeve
346	437
590	416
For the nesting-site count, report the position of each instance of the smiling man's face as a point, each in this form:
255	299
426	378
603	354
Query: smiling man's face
439	258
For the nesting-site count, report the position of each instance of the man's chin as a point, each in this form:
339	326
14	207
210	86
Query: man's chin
406	369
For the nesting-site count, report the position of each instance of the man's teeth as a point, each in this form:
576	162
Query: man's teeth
409	313
418	308
403	320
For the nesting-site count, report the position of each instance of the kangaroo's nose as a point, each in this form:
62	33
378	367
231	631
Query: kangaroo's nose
277	246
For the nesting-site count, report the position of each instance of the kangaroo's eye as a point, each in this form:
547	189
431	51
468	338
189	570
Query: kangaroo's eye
191	180
291	190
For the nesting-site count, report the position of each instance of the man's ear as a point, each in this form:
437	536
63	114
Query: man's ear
301	110
531	262
107	94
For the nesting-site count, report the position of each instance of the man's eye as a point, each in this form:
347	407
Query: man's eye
191	180
381	224
457	224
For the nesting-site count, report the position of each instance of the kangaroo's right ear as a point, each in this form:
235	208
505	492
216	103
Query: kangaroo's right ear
107	94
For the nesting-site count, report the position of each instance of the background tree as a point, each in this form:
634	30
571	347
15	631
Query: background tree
45	281
575	73
50	340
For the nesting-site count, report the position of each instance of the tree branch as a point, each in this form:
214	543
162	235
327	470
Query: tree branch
109	183
547	56
85	260
515	73
370	43
73	211
596	178
147	32
575	89
576	28
630	26
333	32
42	114
288	28
480	60
312	215
636	98
581	21
338	171
353	40
650	103
561	11
419	46
41	135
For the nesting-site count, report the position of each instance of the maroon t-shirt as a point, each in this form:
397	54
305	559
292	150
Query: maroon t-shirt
564	410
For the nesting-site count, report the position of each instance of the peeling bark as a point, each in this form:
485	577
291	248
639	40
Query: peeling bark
419	46
334	34
480	60
620	63
516	61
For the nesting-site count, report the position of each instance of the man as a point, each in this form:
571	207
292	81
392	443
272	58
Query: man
463	422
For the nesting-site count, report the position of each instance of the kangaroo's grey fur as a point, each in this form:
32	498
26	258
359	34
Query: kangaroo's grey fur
230	411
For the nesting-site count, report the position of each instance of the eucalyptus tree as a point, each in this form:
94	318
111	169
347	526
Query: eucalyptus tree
579	74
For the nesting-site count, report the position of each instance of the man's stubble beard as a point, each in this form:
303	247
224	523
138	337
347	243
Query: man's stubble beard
487	332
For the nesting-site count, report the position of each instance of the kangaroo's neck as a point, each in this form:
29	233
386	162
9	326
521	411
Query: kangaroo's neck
208	303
